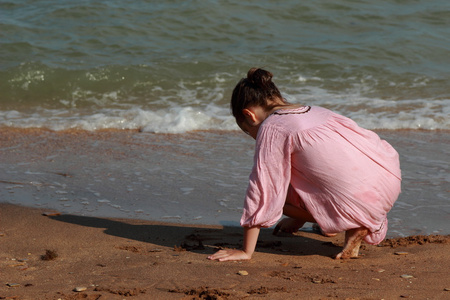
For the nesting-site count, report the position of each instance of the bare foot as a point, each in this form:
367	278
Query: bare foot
317	228
353	239
289	225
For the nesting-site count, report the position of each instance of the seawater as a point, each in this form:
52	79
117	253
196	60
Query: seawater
171	66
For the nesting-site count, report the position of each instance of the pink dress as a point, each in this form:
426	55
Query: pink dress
344	175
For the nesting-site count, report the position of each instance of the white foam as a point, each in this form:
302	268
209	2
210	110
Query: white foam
370	113
172	120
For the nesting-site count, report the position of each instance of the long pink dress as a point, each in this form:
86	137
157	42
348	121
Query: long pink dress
344	175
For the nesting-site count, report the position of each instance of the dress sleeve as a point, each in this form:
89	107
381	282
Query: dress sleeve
269	180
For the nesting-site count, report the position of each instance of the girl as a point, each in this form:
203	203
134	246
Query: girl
311	165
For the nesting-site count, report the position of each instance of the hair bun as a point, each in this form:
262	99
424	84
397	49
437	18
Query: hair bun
259	77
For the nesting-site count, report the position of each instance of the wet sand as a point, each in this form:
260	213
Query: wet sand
192	178
48	257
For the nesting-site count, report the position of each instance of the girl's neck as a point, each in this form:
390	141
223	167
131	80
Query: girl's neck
285	105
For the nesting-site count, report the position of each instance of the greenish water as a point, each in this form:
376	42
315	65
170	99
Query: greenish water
171	66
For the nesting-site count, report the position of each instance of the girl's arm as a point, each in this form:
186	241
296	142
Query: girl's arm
250	238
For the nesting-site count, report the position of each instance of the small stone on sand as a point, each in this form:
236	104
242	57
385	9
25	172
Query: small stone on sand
79	289
401	253
13	284
243	273
407	276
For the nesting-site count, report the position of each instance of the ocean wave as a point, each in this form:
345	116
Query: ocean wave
173	120
213	117
155	100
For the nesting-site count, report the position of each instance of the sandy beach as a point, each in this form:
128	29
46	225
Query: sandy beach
48	257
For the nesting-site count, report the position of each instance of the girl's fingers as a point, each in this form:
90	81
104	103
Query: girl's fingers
228	254
219	254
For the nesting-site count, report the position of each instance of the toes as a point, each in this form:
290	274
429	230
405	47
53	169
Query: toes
345	255
342	255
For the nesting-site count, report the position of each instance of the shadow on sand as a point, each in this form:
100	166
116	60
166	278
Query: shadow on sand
201	238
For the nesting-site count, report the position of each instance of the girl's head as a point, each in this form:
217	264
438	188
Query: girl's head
255	90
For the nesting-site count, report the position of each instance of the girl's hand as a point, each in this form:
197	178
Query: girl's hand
229	254
250	239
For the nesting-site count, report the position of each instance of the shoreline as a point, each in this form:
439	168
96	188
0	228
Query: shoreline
116	258
193	178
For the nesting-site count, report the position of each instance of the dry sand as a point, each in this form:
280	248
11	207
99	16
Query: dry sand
47	257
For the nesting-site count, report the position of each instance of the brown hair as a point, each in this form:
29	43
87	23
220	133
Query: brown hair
255	90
